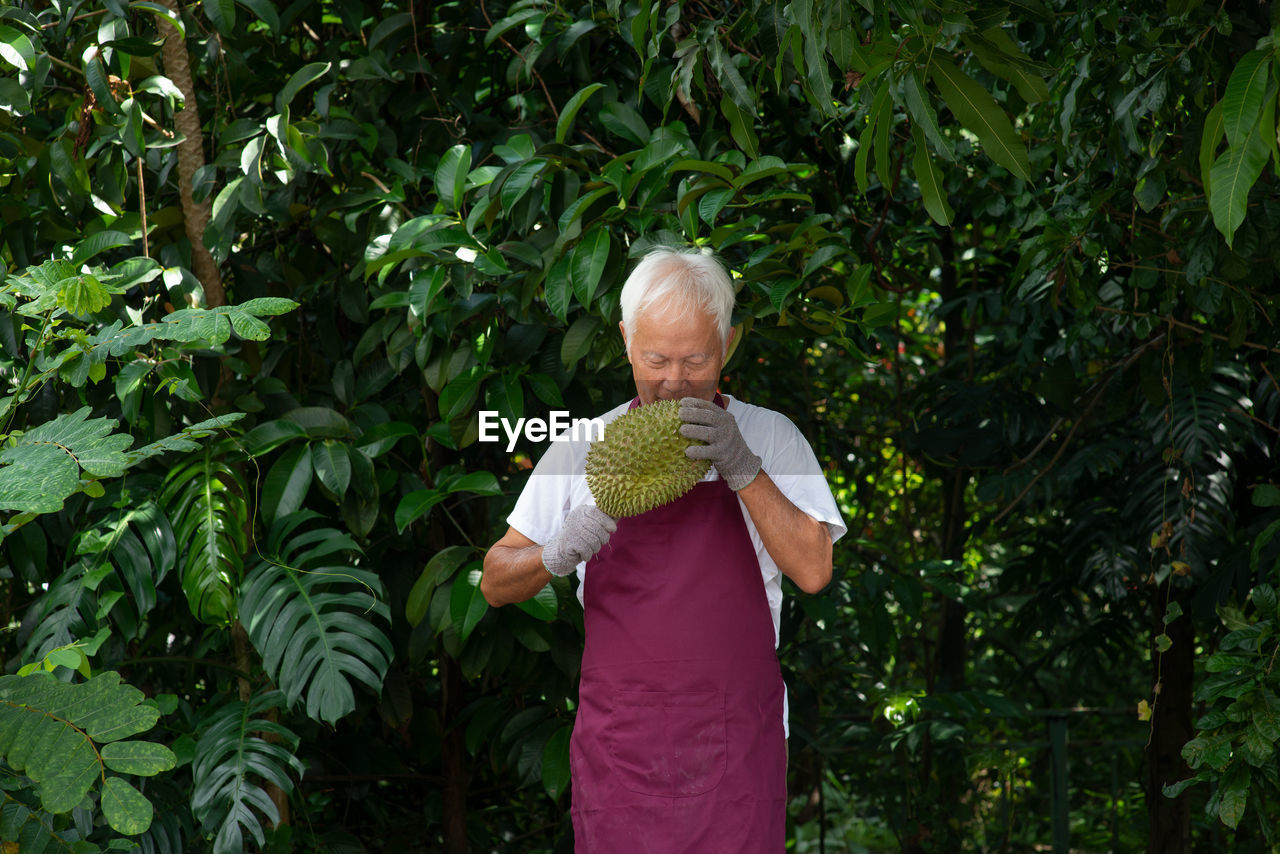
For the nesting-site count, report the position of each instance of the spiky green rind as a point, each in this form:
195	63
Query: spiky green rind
640	463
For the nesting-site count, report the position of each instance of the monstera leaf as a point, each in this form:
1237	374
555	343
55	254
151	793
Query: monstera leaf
314	617
209	508
237	751
67	737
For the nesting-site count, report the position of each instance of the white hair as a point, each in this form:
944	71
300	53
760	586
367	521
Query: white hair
694	280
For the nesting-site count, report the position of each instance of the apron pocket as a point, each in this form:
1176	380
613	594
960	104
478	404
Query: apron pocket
667	743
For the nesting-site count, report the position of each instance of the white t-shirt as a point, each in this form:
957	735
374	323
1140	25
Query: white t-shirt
558	485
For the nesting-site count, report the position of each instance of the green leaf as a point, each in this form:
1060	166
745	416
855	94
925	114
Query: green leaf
1231	178
741	127
221	13
439	569
706	167
1263	597
577	341
466	603
735	87
332	465
978	111
1234	796
564	125
555	762
558	288
1163	642
505	25
1242	102
145	758
712	202
546	390
236	754
183	440
580	205
14	97
999	55
932	193
316	618
923	115
1266	495
519	182
287	483
216	324
881	112
415	505
622	120
209	503
381	438
266	12
1266	718
96	74
478	482
16	49
270	435
321	422
450	177
457	398
126	810
53	730
160	11
544	605
588	263
96	244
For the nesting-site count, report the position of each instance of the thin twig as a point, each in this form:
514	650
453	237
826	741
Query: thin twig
1084	416
142	206
545	91
1170	319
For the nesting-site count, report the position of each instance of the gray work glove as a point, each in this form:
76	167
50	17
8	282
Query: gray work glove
586	530
725	446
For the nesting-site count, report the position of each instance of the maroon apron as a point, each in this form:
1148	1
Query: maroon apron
678	745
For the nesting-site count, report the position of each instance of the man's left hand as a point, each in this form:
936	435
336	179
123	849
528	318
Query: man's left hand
725	447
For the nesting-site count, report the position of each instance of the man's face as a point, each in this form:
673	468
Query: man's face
675	355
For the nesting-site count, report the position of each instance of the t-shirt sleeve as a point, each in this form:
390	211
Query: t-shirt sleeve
547	497
792	465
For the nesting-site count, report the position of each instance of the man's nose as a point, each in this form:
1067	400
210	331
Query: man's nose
675	375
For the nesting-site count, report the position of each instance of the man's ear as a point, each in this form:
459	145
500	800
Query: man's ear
626	348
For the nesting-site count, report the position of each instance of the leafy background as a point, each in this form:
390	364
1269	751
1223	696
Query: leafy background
1008	266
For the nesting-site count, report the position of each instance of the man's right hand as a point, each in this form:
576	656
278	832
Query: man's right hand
586	530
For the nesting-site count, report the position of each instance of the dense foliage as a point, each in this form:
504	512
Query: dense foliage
1008	266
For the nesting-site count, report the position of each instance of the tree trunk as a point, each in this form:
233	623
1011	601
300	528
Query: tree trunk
453	758
196	216
1169	819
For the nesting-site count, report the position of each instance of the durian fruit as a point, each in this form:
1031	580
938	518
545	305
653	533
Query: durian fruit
640	464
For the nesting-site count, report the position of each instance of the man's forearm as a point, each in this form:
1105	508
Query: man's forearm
513	574
799	544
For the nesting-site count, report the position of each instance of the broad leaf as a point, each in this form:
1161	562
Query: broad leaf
451	174
932	193
237	751
316	618
1242	102
208	504
564	125
978	111
1231	178
58	732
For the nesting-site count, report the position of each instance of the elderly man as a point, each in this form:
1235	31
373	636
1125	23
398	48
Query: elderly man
679	744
